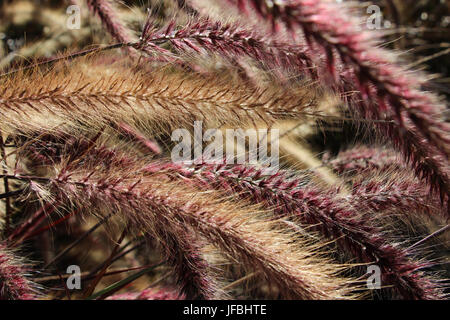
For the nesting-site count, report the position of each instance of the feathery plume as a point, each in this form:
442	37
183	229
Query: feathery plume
76	96
13	282
381	181
228	41
193	272
105	10
358	159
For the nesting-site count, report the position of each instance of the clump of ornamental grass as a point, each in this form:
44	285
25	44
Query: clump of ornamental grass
85	143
